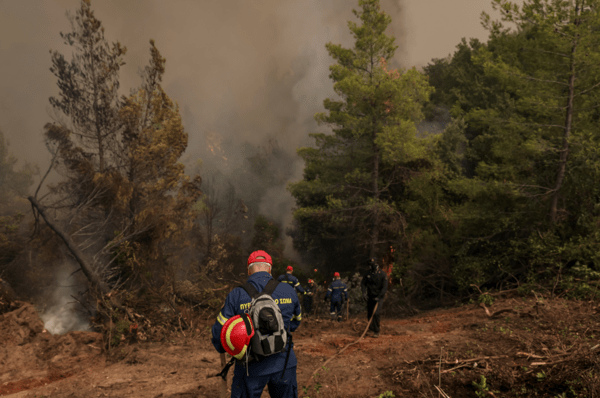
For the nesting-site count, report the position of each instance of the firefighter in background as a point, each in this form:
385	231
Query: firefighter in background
374	286
339	293
291	279
309	292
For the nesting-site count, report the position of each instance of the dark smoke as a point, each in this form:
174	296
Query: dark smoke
247	75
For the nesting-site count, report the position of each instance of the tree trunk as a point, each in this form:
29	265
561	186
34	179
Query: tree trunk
87	269
562	165
375	178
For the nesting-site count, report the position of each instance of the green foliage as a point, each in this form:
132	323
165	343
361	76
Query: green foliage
266	233
482	388
486	299
345	202
120	329
512	216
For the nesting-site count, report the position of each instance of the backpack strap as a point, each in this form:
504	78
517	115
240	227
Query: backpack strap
270	288
250	289
225	370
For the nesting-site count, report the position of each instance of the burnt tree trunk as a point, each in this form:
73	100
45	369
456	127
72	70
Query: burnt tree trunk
375	181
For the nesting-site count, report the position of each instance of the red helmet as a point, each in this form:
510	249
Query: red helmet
259	253
290	268
336	275
236	334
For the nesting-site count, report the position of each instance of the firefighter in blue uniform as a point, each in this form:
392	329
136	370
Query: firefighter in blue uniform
250	383
291	279
339	293
309	292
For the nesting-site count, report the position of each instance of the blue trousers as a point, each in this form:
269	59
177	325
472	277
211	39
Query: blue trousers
336	307
252	387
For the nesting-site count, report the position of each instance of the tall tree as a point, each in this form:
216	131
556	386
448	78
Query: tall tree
554	73
155	195
530	97
351	175
130	200
89	86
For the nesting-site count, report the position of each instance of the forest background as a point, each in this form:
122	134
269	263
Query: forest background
479	171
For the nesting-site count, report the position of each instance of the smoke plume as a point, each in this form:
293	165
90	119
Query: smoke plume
246	74
62	312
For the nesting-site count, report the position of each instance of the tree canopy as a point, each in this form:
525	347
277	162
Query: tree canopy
345	202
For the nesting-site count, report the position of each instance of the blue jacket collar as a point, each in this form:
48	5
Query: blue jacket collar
260	276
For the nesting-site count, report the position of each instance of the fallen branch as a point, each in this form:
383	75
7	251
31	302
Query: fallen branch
548	363
442	392
528	355
481	359
454	368
500	312
87	268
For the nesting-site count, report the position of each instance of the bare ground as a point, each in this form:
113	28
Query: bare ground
523	347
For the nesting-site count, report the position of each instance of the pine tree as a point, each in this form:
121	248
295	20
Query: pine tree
351	175
88	87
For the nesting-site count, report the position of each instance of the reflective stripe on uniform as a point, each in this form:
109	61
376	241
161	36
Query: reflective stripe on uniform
297	317
329	289
296	284
221	319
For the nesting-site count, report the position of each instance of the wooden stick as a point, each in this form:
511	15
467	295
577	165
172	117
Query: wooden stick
347	308
223	382
440	371
454	368
442	392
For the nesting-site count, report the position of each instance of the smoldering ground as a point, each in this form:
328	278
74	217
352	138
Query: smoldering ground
61	311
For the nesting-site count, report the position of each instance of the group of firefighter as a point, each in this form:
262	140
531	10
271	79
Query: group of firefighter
248	329
374	287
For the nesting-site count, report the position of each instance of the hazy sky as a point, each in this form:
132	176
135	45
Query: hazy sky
242	71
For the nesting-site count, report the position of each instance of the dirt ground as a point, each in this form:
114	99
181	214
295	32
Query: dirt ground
518	347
